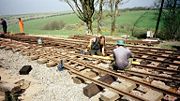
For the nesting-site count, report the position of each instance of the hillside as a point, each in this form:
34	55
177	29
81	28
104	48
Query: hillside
141	20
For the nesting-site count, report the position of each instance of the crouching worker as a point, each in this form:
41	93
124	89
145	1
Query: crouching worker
122	56
97	46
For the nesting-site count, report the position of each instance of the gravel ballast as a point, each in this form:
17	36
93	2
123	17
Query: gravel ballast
47	84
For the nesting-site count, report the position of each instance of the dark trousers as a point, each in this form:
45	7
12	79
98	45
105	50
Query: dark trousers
115	67
95	52
5	29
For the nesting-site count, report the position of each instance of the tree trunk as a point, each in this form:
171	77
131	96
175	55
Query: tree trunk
99	17
174	7
175	17
84	9
114	14
89	25
159	16
113	24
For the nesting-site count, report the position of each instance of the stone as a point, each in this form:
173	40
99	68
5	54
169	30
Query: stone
16	50
80	67
177	62
51	64
103	65
101	73
42	61
88	73
120	86
178	57
152	95
1	47
168	51
161	59
25	53
97	77
8	48
143	88
34	57
108	79
128	98
7	86
91	90
96	97
25	70
2	96
170	98
109	96
23	84
136	78
136	93
125	86
77	80
160	84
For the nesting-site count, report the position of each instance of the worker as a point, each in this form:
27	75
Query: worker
4	25
21	25
97	46
121	54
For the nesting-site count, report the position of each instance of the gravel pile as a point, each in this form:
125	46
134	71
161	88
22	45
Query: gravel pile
50	85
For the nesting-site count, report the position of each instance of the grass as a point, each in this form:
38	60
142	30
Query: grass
36	26
169	44
125	23
129	19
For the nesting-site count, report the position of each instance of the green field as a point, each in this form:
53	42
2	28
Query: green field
73	25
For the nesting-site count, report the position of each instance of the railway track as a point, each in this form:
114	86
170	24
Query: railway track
32	39
153	60
55	54
132	42
156	57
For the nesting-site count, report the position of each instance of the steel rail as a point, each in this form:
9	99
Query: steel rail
60	44
102	84
153	75
129	79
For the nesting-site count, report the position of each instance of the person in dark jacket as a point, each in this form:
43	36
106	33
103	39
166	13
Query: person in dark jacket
4	25
97	46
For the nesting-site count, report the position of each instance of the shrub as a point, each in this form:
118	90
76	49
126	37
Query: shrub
140	35
170	21
167	36
70	27
54	25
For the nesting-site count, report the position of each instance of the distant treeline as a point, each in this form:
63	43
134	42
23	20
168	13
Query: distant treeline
13	19
43	17
139	8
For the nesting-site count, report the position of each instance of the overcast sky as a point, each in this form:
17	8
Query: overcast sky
10	7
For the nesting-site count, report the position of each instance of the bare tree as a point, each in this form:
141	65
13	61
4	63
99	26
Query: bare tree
114	9
170	20
114	5
159	16
84	9
100	13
